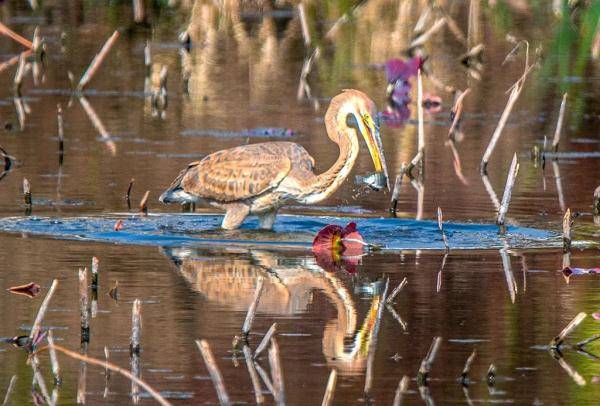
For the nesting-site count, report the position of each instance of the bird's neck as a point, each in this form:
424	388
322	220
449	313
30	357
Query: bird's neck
347	141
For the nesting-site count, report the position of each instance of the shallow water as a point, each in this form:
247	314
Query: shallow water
504	297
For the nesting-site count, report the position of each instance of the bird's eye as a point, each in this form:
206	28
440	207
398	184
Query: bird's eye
351	120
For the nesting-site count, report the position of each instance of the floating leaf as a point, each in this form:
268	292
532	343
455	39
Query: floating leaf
337	248
30	290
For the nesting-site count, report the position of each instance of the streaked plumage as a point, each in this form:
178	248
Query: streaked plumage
260	178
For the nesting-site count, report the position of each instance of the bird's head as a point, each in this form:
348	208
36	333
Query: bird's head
362	115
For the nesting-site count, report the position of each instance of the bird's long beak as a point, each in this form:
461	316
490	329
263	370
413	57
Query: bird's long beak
370	132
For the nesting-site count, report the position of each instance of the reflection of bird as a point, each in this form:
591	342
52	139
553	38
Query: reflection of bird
260	178
229	279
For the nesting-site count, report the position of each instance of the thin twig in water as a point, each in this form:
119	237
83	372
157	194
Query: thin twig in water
427	362
97	61
396	290
420	156
252	309
456	113
304	24
265	341
511	283
84	305
464	377
54	359
253	375
567	223
374	339
98	125
11	385
144	202
136	327
27	192
441	228
4	30
35	329
508	188
423	38
587	341
397	187
107	365
329	391
276	372
401	390
559	123
560	338
213	370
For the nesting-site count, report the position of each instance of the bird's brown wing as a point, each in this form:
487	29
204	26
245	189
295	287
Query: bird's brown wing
237	173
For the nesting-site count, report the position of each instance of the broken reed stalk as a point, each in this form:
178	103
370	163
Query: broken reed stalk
374	337
4	30
423	38
253	375
396	290
61	132
397	187
22	70
490	376
456	113
567	234
97	61
27	192
441	228
276	372
585	342
577	378
11	385
304	24
427	362
559	123
401	390
128	195
464	376
265	341
252	309
54	359
136	327
560	338
107	365
84	305
37	324
330	390
95	268
98	125
508	188
139	12
512	99
420	156
214	372
596	202
144	203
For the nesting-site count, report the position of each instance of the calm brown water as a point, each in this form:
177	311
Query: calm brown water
244	74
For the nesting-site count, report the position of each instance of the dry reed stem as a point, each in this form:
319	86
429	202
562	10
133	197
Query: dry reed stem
396	290
330	390
95	269
60	126
12	61
559	123
265	341
252	309
136	327
265	378
560	338
84	305
464	376
144	202
22	69
396	316
139	12
456	162
38	379
214	372
35	329
457	112
420	156
11	385
4	30
307	66
27	192
559	188
587	341
304	24
577	378
401	390
107	365
54	358
441	228
427	362
253	375
423	38
276	372
97	61
508	188
567	223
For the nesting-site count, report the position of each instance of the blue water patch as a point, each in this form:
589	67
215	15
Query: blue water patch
267	132
291	231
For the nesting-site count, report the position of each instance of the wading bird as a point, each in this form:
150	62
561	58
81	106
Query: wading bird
260	178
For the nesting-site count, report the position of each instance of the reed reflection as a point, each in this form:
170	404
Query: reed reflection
228	277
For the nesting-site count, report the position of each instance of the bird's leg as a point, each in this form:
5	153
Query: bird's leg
235	215
267	219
